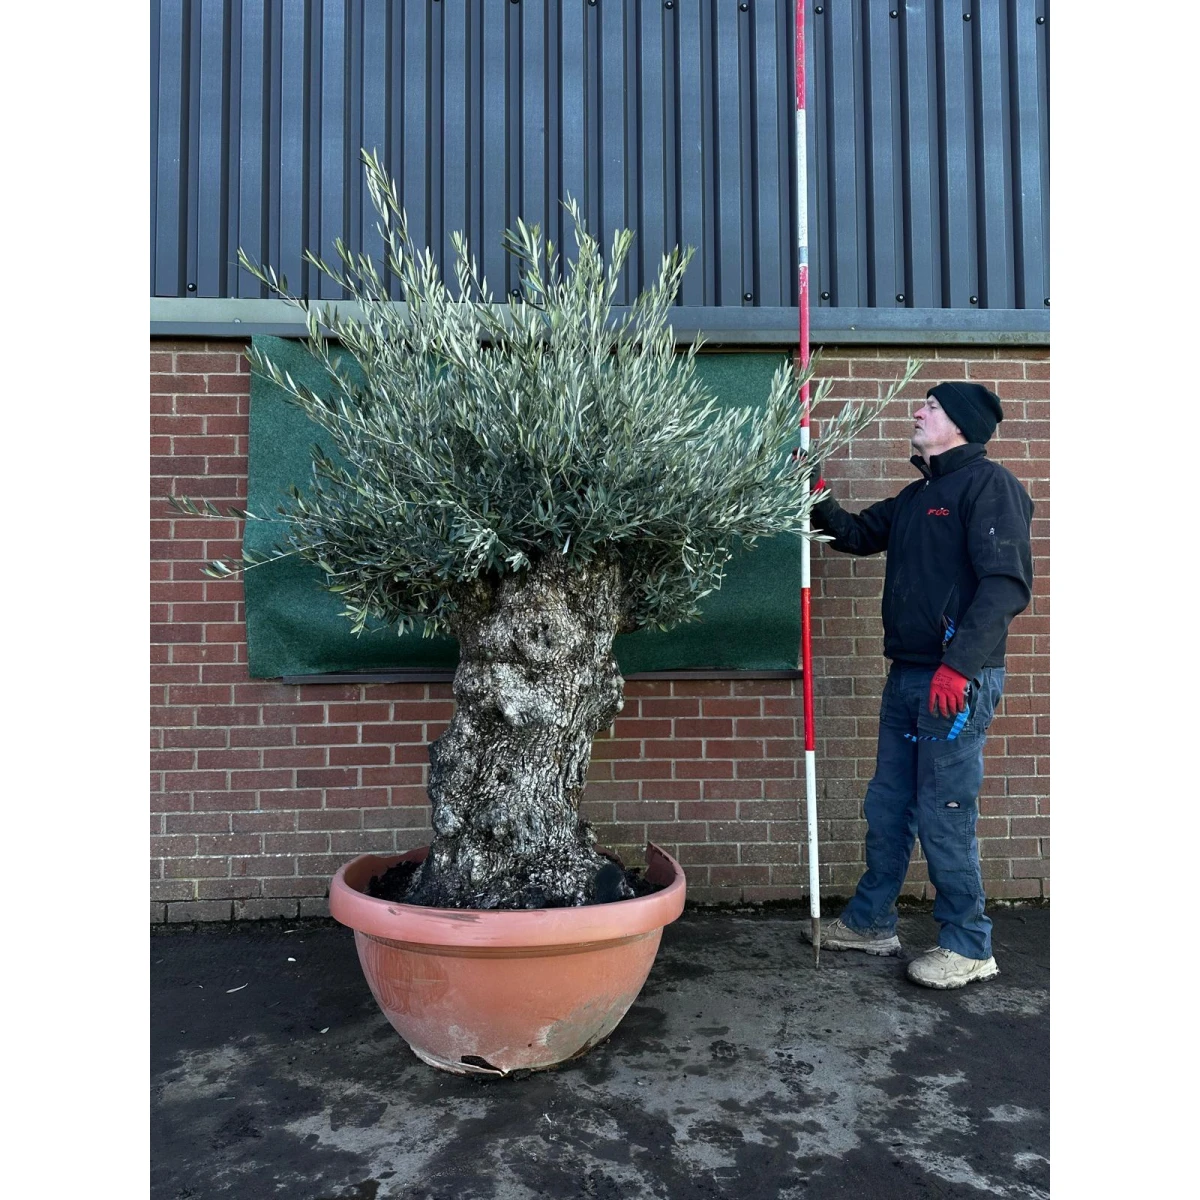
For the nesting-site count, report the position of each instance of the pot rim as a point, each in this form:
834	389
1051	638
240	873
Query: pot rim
349	904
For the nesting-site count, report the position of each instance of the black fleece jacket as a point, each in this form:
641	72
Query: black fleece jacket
957	543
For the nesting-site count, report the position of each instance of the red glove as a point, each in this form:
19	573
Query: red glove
816	480
947	692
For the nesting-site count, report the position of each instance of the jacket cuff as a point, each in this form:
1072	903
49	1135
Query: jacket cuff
967	667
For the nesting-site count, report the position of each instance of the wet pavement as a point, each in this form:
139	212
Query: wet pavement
738	1072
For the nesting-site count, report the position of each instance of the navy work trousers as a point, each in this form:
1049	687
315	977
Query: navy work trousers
927	787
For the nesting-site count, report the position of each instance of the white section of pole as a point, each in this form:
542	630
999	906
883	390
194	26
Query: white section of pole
814	878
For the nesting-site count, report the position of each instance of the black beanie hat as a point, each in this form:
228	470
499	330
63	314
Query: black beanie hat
974	409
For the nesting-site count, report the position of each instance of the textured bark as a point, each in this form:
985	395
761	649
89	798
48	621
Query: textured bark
536	681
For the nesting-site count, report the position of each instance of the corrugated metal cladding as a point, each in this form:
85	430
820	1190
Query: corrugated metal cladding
928	133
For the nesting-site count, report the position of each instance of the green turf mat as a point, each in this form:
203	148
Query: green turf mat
295	627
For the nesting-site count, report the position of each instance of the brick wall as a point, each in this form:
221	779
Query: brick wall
261	790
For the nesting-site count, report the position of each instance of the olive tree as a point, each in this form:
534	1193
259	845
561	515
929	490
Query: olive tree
533	477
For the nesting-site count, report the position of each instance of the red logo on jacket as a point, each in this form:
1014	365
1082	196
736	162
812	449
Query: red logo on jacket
938	512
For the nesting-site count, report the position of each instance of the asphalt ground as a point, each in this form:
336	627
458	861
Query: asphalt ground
740	1071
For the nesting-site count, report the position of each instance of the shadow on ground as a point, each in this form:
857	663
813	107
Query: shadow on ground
739	1072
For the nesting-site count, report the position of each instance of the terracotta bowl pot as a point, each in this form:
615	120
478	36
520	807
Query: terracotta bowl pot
488	992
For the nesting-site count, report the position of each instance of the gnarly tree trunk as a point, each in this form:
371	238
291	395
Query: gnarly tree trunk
536	681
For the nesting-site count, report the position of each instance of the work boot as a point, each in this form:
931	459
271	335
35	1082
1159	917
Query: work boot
836	936
942	968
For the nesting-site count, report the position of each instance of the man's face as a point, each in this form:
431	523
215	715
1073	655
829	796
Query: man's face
933	431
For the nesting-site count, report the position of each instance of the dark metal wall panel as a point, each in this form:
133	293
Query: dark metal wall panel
928	141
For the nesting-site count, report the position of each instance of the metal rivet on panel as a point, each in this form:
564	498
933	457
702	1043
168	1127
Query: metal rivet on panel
824	295
818	10
670	4
900	297
191	287
893	14
974	299
966	16
1041	20
1046	302
747	296
744	7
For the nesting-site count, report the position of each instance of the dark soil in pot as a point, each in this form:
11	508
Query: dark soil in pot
393	885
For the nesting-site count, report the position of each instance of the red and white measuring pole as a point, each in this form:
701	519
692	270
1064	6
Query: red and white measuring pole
810	745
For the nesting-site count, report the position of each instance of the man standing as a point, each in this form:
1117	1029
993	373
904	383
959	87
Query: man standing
959	568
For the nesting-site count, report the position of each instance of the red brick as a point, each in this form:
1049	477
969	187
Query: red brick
742	706
739	876
704	727
678	832
359	756
295	756
692	854
602	790
296	887
362	797
264	822
423	710
732	789
700	687
732	748
226	759
642	729
326	735
313	842
196	868
709	768
263	865
337	818
199	910
707	810
645	810
777	852
259	909
674	707
290	798
271	730
263	736
643	769
607	749
359	714
258	780
186	781
672	748
763	687
671	789
228	383
203	363
293	714
229	843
